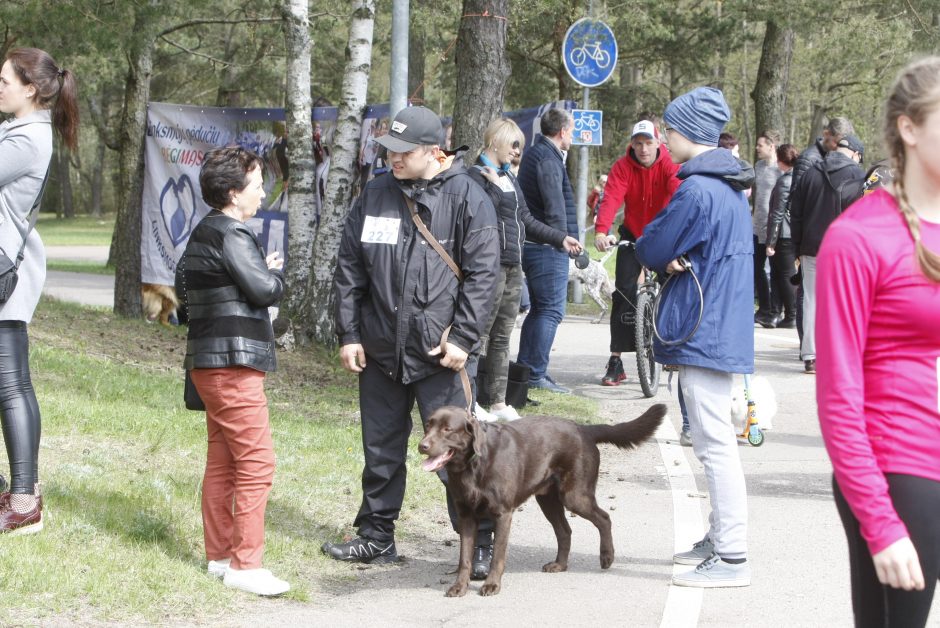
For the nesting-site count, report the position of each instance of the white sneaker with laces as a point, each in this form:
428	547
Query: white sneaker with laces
257	581
714	573
702	550
483	415
218	568
507	414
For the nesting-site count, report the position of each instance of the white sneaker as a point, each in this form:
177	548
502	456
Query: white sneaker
257	581
715	573
507	414
483	415
218	568
702	550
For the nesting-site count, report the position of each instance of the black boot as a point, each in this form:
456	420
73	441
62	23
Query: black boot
482	557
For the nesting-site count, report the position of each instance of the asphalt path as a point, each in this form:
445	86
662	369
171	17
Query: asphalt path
656	500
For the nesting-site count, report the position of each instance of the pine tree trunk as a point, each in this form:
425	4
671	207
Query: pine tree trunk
66	197
302	206
482	70
773	76
416	69
318	322
125	244
97	180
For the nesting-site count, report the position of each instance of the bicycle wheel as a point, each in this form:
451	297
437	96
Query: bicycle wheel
647	368
578	56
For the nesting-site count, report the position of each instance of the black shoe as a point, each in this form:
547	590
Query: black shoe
3	484
809	366
615	373
482	557
787	323
362	550
767	321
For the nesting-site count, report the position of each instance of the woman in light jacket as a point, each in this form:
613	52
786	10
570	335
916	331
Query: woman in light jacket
41	97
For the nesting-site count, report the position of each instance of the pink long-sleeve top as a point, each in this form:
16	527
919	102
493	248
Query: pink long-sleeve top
877	360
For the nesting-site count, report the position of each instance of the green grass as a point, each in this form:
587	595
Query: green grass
79	267
78	231
121	465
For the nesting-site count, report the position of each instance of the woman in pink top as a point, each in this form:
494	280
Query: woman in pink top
878	365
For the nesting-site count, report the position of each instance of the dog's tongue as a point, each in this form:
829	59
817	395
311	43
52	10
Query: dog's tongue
437	462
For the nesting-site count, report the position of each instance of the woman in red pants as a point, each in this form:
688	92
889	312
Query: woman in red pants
226	283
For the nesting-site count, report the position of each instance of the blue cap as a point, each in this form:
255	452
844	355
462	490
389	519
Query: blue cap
699	115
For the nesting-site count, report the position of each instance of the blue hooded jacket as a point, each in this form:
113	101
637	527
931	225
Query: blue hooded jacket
708	221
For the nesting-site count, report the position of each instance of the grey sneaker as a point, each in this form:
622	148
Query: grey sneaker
685	439
714	573
699	552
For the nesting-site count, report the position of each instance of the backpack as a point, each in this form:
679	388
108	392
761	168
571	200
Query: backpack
846	191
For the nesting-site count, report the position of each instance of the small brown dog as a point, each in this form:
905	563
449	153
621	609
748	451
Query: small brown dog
158	302
493	469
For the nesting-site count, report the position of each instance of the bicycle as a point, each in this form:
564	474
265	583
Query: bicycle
593	51
648	369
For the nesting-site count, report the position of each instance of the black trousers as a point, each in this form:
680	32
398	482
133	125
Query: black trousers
917	502
623	308
781	269
761	283
19	409
385	406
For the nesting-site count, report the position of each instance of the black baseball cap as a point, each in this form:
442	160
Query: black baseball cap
852	143
413	127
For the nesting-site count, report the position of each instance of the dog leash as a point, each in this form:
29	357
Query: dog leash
464	378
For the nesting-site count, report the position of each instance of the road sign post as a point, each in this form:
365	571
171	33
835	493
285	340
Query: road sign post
589	54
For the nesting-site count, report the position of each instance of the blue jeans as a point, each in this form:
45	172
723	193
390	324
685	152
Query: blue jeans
546	271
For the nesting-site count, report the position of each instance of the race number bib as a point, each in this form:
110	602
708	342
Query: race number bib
378	230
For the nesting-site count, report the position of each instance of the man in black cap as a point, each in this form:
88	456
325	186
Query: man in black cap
395	296
826	190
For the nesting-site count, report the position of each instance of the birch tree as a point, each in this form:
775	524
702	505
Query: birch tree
317	320
482	69
302	207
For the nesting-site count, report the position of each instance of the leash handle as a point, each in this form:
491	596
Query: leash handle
464	378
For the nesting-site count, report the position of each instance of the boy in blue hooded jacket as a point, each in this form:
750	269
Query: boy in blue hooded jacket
708	222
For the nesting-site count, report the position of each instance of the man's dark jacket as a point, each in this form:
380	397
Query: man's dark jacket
396	298
817	201
226	287
516	223
546	187
812	154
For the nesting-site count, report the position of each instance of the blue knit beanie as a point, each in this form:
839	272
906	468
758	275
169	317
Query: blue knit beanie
699	115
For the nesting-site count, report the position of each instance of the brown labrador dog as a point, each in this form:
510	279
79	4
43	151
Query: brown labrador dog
492	469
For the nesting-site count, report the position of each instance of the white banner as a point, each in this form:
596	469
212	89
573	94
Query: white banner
178	137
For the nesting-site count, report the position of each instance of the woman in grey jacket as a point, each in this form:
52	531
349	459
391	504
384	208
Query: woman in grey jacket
42	97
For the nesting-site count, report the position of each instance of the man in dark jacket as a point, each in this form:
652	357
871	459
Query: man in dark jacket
707	223
395	297
548	194
825	191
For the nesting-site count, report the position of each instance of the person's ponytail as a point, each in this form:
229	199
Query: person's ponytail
65	109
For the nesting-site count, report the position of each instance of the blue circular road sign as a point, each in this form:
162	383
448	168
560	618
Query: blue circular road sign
589	52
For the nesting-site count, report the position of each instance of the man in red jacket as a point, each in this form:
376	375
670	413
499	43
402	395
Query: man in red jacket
643	181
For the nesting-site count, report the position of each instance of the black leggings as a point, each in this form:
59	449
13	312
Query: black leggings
623	308
917	502
18	408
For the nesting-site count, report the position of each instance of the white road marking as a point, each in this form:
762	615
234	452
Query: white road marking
682	603
789	339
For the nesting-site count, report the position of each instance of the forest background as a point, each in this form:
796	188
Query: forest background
784	65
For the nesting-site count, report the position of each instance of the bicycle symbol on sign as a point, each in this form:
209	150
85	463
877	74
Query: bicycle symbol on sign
582	53
587	123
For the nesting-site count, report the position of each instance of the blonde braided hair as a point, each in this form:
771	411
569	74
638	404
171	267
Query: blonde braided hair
915	94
